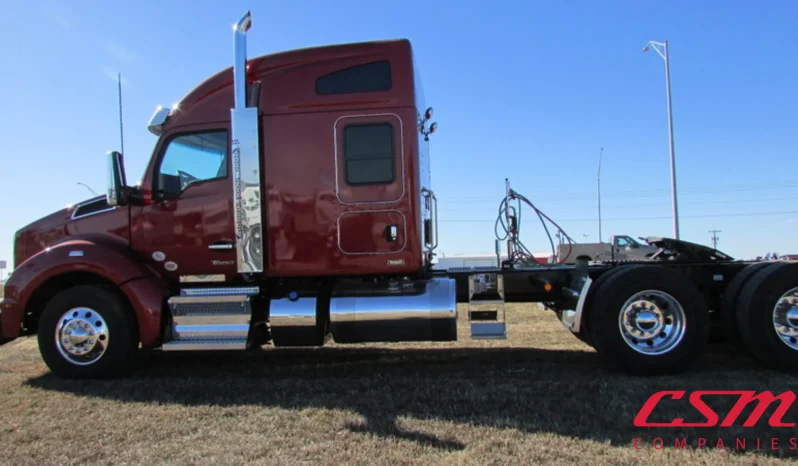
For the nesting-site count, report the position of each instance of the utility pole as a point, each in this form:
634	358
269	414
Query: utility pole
599	193
666	56
715	238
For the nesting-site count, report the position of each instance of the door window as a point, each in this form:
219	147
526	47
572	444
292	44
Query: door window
191	158
369	154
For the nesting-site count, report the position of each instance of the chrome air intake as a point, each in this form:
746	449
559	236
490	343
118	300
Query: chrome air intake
428	314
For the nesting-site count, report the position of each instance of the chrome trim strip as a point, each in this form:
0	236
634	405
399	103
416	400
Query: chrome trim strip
220	247
401	149
404	225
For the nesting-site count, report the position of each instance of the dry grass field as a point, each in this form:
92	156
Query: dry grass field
541	396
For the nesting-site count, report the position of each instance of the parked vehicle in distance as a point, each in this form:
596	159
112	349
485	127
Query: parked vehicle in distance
620	248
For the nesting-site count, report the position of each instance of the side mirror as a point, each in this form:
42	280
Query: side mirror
117	182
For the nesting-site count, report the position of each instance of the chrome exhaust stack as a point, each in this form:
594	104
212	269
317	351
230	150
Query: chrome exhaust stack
245	146
428	314
240	61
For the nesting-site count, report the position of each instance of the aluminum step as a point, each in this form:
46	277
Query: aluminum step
218	319
488	330
486	313
204	345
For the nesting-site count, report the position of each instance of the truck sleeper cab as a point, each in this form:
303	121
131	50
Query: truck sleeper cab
288	201
292	188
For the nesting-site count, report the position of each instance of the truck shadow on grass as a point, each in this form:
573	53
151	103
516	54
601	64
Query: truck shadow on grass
563	392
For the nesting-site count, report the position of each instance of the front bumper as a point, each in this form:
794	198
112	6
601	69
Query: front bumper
5	327
2	338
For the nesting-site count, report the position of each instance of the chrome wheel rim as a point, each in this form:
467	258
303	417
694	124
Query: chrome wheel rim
652	322
785	318
81	336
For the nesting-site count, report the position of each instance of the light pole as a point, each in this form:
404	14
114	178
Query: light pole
664	54
89	188
599	192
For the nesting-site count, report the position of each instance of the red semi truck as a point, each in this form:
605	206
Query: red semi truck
288	201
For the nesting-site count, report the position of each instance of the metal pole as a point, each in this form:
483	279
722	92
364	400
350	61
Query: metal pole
599	194
121	130
88	187
674	202
715	238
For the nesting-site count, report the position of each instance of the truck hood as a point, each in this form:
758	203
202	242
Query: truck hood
88	218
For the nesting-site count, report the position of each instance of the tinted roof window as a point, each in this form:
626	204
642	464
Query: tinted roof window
371	77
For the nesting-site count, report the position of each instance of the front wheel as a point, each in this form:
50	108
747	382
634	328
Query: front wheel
87	331
647	320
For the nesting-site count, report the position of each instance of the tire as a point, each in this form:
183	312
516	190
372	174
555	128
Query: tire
731	296
79	320
755	316
583	333
670	297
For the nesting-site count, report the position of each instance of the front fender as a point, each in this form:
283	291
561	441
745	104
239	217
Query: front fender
114	264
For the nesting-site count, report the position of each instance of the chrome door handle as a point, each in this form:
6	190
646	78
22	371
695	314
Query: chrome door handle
221	246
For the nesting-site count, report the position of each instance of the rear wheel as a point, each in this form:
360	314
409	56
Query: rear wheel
731	298
767	316
583	333
648	320
87	331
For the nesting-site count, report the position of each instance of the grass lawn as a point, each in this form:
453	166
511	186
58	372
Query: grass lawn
541	396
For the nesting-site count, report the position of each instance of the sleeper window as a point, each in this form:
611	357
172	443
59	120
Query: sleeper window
369	154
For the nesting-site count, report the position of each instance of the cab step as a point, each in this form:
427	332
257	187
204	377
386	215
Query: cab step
204	345
210	319
486	314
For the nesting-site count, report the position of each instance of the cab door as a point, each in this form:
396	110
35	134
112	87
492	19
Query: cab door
186	232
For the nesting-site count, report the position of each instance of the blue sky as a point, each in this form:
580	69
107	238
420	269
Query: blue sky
528	90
